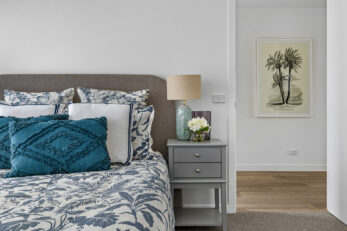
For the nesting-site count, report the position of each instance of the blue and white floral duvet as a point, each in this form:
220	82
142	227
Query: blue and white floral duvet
134	197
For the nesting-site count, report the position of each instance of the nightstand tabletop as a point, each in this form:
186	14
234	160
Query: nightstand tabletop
189	143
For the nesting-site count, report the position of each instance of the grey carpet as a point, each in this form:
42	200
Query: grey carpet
286	221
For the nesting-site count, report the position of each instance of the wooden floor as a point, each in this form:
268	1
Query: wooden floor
281	191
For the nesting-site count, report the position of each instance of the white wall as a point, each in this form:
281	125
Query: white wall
160	37
337	109
262	143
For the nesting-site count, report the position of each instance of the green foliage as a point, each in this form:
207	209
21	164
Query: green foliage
205	129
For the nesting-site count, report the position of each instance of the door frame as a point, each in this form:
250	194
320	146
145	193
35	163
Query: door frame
231	86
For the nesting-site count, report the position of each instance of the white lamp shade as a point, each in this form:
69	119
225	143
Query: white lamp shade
183	87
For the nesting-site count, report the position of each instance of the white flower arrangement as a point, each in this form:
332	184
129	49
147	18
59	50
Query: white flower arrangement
198	125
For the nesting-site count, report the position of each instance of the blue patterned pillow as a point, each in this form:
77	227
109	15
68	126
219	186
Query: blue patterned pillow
16	98
141	139
39	148
5	151
138	98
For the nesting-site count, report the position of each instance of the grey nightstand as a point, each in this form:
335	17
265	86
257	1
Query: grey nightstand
199	165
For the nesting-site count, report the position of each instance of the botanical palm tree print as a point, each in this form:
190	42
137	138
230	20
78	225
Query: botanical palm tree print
279	62
292	61
275	63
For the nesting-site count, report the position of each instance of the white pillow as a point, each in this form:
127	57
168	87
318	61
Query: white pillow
25	111
119	120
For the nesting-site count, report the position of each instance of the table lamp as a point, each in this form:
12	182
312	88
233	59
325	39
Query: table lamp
183	87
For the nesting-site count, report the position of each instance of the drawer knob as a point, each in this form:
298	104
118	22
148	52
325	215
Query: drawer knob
197	155
197	170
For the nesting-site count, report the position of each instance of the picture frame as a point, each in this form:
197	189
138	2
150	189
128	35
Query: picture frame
283	77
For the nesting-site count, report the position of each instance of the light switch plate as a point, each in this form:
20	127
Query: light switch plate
219	98
293	152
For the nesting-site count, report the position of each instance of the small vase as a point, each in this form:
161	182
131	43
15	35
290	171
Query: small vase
198	137
183	115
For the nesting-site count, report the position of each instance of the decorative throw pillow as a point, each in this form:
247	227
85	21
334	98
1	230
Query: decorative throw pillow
25	111
16	98
5	151
141	139
40	148
138	98
34	98
119	121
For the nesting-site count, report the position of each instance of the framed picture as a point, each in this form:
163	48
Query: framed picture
284	69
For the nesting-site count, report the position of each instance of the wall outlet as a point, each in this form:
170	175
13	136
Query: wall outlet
219	98
293	152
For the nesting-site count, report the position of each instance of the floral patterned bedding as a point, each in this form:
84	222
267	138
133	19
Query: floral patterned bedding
133	197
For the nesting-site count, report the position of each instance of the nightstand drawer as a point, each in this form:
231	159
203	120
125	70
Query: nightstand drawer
197	155
208	170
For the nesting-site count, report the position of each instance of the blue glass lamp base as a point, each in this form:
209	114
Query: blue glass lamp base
183	115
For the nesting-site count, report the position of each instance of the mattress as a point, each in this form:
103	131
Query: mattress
133	197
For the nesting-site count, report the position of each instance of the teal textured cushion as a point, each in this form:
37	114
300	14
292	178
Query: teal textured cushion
40	148
4	134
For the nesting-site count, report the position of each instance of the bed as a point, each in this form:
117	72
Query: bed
126	197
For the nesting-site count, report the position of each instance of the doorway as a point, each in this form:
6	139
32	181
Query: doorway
269	178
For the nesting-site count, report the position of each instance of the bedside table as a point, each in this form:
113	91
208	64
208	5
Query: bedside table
199	165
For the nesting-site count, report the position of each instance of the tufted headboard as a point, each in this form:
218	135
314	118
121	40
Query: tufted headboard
164	119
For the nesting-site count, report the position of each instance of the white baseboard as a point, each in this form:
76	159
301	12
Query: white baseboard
281	167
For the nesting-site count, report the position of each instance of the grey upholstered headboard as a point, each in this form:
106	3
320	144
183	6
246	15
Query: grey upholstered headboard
164	119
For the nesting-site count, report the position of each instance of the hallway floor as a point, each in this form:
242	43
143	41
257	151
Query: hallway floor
281	191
